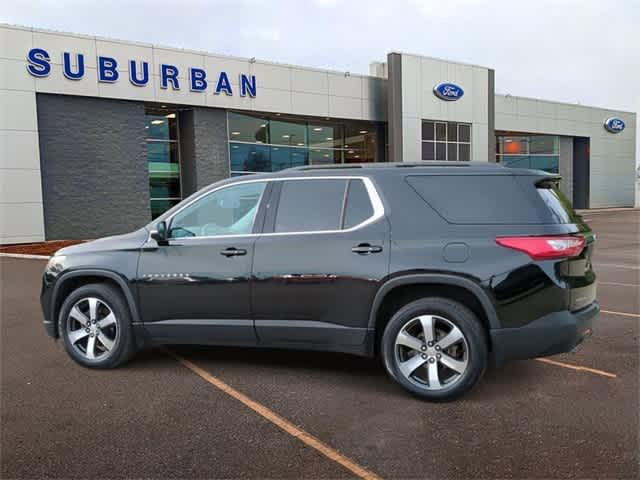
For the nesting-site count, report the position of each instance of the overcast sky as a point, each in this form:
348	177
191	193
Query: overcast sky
582	51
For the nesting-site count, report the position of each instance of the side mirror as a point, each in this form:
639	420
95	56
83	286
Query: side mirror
160	234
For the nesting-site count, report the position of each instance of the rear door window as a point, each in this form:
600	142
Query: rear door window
310	205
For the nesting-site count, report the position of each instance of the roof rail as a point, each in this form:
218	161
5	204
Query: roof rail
423	163
335	166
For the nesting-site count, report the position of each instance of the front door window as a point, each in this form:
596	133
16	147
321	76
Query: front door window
227	211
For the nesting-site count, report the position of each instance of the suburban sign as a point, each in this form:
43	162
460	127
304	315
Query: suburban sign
109	71
614	124
448	91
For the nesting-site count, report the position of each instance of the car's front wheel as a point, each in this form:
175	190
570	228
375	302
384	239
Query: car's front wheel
435	348
95	326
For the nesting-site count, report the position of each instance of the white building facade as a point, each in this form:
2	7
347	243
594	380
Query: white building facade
97	136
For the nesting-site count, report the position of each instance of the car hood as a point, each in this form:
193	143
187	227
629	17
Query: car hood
127	241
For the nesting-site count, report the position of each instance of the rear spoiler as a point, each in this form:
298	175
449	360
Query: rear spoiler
547	181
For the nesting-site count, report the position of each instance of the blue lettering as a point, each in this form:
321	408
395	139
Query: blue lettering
169	73
67	66
133	73
247	84
39	65
198	82
107	69
224	84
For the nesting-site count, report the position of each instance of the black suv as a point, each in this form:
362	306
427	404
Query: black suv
431	266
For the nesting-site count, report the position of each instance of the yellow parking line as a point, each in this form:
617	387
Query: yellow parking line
624	314
577	367
279	421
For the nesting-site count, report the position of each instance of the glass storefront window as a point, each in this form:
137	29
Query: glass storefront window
162	126
452	141
544	145
288	133
282	142
539	152
324	156
515	161
286	157
245	128
326	136
513	145
250	157
549	163
159	206
163	157
162	152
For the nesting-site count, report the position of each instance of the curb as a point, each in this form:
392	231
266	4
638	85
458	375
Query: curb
24	255
596	211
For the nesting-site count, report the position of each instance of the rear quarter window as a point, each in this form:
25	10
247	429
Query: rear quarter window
488	199
557	203
358	206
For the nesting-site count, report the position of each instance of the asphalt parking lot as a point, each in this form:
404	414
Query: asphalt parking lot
157	418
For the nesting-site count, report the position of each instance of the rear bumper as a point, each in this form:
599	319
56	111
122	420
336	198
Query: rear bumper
557	332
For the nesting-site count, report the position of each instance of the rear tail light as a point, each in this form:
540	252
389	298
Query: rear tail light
545	248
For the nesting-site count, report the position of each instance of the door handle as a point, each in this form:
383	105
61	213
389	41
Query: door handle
233	252
366	249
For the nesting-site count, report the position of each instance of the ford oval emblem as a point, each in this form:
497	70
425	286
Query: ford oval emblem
614	124
448	91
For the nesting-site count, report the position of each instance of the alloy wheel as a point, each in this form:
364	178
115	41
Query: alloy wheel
431	352
92	328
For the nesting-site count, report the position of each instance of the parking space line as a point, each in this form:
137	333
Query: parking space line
279	421
576	367
624	314
620	284
617	265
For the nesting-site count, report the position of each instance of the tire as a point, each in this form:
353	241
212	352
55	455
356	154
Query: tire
96	316
444	365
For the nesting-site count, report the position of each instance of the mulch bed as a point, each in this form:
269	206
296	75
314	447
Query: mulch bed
41	248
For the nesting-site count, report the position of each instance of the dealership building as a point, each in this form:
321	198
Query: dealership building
98	136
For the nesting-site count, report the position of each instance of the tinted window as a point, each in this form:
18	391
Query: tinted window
558	204
358	207
310	205
487	199
228	211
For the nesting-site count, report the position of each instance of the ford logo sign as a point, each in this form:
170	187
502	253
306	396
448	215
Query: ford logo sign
614	125
448	91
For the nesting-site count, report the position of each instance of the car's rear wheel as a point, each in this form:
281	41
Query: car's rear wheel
95	326
435	348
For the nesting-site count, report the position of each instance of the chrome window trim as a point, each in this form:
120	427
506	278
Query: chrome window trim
374	198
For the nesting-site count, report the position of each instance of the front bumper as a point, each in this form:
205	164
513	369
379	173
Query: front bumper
557	332
50	328
45	303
